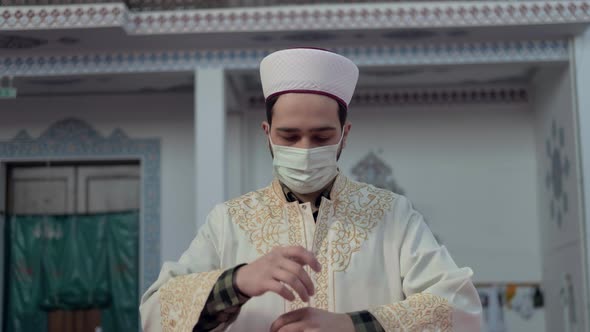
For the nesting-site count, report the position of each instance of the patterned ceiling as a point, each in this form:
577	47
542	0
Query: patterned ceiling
147	5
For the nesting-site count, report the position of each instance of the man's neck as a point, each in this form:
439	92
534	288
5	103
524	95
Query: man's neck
313	197
309	198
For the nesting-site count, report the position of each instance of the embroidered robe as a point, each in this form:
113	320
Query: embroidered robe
376	253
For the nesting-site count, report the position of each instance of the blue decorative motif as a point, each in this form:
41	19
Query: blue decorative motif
557	174
397	55
374	170
75	139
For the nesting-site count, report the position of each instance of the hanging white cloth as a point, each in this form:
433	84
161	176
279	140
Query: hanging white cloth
493	312
523	303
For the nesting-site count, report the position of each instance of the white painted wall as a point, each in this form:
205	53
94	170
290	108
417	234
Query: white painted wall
553	104
582	99
166	116
562	246
471	170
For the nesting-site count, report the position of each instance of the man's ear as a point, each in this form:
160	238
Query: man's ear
346	130
266	128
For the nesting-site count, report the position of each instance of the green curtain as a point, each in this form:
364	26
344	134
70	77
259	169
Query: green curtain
73	262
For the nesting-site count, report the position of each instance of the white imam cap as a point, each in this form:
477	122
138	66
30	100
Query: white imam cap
309	70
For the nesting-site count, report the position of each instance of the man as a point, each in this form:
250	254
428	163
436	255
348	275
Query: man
313	251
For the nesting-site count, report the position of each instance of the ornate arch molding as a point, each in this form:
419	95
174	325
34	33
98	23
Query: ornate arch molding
74	139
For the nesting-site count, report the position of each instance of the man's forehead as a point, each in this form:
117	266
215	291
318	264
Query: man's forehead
321	129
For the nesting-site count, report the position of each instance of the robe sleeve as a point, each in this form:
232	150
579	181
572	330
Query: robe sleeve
177	299
439	296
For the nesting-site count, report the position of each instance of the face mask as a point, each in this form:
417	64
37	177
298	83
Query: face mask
305	170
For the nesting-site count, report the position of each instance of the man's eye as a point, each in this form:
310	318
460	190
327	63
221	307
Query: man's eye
322	139
291	138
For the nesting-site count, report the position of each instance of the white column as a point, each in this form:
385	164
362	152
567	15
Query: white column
582	99
210	163
3	182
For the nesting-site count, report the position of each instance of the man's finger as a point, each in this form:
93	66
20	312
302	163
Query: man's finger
302	255
298	270
293	281
280	289
288	318
294	327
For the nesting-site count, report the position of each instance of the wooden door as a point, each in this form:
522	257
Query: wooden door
108	188
69	189
42	190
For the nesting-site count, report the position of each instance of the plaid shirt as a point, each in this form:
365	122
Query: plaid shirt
225	300
223	304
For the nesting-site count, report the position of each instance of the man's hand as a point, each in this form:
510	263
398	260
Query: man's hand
280	267
312	320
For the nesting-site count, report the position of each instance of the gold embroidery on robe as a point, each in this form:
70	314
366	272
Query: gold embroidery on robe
418	313
320	249
361	206
260	215
296	238
183	298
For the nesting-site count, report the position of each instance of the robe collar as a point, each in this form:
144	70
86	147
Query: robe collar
291	197
331	193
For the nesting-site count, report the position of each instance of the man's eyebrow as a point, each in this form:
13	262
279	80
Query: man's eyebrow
326	128
297	130
289	130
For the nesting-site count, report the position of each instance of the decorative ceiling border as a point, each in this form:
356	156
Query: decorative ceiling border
63	16
362	16
528	51
303	17
439	96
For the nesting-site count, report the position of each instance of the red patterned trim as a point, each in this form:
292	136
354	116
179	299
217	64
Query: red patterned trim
315	92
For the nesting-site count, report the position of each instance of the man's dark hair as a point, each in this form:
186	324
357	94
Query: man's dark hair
270	104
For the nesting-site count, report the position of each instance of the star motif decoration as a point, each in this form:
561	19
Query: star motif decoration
557	173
